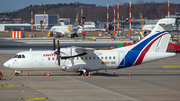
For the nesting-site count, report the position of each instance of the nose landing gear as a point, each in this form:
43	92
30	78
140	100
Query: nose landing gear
17	73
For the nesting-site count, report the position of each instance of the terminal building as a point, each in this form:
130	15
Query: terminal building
64	21
50	19
15	27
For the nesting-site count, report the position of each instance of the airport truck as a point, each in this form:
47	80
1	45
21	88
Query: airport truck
1	75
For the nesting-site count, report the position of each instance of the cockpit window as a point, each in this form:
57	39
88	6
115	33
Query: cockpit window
23	56
19	56
15	56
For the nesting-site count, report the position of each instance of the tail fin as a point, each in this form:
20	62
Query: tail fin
76	19
155	42
158	39
141	19
58	20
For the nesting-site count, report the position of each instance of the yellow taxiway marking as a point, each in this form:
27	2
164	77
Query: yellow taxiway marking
171	66
10	85
29	99
72	100
6	79
13	74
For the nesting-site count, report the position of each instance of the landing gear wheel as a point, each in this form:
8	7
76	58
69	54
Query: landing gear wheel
86	73
72	36
81	72
16	74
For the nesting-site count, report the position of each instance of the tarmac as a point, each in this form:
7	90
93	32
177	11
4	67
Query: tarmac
154	81
63	42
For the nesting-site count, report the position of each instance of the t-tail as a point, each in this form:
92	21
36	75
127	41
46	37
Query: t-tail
152	47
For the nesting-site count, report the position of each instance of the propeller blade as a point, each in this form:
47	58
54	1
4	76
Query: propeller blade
58	57
54	44
58	42
58	52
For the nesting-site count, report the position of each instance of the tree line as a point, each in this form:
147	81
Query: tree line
149	10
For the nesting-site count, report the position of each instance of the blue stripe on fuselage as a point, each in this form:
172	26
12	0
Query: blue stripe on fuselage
132	55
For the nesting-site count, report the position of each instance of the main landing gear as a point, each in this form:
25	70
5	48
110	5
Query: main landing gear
74	35
83	72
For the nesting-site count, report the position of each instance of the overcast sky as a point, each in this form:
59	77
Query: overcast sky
13	5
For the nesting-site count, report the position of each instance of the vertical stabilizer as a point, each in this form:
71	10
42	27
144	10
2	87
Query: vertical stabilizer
77	19
58	20
155	42
158	39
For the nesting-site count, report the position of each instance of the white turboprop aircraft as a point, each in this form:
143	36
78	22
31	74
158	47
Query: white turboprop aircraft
65	29
78	59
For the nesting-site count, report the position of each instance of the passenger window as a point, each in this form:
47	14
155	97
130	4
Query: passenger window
49	58
81	58
85	58
53	58
114	57
98	58
109	58
89	58
94	58
106	58
23	56
19	56
101	58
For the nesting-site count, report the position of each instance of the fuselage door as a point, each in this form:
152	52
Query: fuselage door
121	58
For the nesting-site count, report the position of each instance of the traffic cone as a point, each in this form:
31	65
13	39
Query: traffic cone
89	75
48	74
129	72
114	73
27	73
96	72
44	73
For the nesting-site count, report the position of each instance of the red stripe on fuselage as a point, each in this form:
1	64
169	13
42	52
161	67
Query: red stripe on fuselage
143	53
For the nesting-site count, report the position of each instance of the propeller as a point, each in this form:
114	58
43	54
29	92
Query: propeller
75	33
54	44
58	52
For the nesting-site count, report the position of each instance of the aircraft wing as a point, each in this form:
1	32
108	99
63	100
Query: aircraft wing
80	52
61	32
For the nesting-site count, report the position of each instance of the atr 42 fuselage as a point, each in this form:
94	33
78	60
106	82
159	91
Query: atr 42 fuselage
150	48
96	60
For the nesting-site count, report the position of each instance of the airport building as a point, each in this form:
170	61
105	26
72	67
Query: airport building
64	21
15	27
50	19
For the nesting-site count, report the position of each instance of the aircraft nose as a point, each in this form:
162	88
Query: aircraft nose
6	64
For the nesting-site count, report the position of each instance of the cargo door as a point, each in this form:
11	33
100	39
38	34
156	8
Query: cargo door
121	58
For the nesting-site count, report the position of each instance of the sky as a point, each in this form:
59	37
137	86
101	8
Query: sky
14	5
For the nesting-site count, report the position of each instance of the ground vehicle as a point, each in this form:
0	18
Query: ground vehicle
1	75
